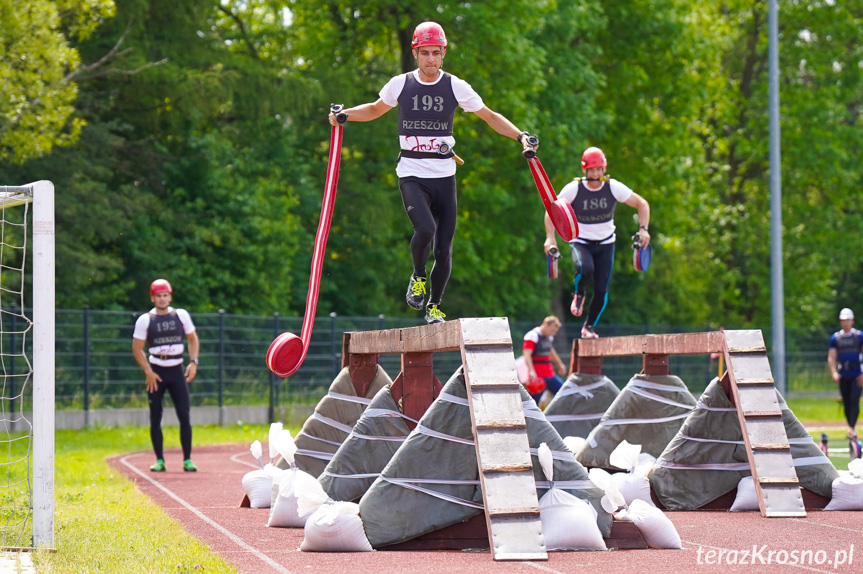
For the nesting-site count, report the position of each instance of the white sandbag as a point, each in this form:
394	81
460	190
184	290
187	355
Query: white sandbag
330	526
284	512
746	499
633	484
656	528
258	485
335	527
574	443
275	429
848	488
568	522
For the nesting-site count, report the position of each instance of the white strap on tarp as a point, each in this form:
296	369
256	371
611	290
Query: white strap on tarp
734	466
570	388
704	407
386	413
556	454
579	417
336	475
801	440
410	483
333	423
377	437
532	411
315	454
349	398
811	460
317	438
656	386
614	422
452	399
658	398
566	484
430	432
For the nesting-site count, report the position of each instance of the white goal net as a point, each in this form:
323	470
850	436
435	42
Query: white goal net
27	365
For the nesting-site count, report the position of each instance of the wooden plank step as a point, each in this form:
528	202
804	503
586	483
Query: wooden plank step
770	446
744	341
491	385
501	424
754	414
508	512
508	467
755	382
776	480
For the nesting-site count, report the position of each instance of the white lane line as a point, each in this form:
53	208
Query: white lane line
825	525
542	567
245	453
233	537
698	544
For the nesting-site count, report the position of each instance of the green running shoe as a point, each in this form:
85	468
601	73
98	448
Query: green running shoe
416	292
434	314
159	466
189	466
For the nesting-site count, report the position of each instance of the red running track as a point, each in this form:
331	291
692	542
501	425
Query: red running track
207	502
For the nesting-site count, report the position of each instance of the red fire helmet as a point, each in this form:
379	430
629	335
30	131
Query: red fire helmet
160	285
429	34
593	157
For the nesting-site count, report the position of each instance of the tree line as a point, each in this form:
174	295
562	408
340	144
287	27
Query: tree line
188	140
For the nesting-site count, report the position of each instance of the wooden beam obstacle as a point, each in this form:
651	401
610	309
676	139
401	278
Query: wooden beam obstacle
748	382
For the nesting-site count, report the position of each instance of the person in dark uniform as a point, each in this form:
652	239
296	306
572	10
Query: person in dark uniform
594	198
844	358
427	99
162	332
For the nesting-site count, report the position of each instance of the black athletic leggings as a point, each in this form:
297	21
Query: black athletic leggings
850	399
432	207
173	381
593	260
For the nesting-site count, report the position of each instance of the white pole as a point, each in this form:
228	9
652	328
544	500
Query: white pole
776	275
43	364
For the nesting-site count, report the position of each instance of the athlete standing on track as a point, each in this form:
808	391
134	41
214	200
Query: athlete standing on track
539	354
843	358
594	198
427	98
162	330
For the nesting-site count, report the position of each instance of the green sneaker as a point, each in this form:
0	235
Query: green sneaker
434	314
416	292
159	466
189	466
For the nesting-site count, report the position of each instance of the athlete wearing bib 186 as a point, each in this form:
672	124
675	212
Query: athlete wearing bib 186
157	345
594	198
427	99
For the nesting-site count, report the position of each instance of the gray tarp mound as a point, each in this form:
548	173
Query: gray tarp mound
378	434
432	481
707	458
648	411
334	417
580	403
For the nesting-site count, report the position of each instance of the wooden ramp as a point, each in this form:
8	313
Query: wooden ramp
497	416
748	381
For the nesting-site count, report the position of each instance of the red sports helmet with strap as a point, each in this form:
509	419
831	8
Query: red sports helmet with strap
429	34
593	157
160	285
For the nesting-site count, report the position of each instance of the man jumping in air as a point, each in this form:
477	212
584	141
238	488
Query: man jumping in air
427	99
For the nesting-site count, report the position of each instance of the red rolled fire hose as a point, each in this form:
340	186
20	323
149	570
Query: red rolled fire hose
559	210
287	351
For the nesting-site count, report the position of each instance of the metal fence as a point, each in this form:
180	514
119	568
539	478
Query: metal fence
95	368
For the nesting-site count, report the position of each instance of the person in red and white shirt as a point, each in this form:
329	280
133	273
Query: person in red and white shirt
539	354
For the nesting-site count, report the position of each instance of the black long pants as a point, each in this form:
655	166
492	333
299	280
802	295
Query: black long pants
593	263
850	399
432	207
173	381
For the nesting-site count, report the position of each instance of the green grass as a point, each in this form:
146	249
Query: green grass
104	524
